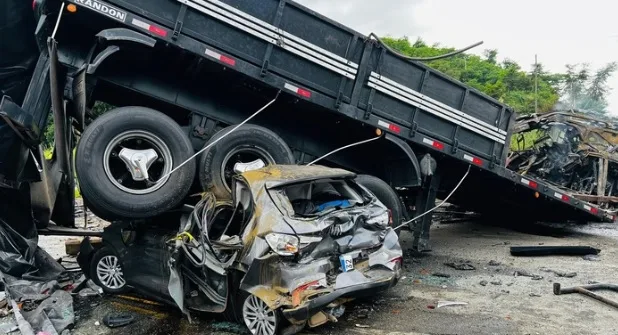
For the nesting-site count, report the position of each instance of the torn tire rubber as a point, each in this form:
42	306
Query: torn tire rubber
107	272
248	147
385	194
122	156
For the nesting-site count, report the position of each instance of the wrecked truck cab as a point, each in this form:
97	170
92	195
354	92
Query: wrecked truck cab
315	239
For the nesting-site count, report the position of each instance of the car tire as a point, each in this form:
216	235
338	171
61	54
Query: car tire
105	261
386	194
244	144
238	313
113	193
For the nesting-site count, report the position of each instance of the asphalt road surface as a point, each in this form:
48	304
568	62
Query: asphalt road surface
496	300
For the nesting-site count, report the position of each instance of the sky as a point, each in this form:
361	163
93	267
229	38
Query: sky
558	32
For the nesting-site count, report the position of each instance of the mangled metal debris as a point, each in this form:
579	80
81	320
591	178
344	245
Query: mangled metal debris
295	243
573	151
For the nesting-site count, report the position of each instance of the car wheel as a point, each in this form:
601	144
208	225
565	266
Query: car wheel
258	317
122	161
107	272
249	147
385	194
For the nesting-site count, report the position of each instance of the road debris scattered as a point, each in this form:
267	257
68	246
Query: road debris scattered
560	273
362	313
524	273
228	327
587	290
554	250
496	282
358	325
445	303
534	295
441	275
483	283
118	320
592	258
494	263
461	265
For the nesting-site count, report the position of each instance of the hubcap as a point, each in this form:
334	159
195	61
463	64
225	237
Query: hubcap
259	318
241	159
110	273
135	160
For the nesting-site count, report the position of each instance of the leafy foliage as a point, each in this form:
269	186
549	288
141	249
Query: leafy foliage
505	81
97	110
586	91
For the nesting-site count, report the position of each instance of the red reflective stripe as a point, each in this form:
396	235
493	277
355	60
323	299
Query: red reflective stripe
157	30
304	93
394	128
594	210
300	91
227	60
474	160
565	197
530	183
433	143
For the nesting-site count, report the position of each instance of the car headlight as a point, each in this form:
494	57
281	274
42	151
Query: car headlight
282	244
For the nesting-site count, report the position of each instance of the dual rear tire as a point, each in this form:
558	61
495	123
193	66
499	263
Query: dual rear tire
124	159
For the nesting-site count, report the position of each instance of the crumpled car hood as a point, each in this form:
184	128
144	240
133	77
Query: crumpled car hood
341	231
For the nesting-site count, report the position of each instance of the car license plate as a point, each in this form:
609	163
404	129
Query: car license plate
347	263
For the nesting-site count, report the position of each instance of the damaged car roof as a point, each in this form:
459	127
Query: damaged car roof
279	175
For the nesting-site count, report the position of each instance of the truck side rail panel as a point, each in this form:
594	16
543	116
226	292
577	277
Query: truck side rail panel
334	67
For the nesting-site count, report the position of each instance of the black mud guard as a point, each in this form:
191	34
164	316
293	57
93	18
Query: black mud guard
412	177
113	36
126	35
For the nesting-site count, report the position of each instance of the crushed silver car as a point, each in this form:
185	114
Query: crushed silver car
294	244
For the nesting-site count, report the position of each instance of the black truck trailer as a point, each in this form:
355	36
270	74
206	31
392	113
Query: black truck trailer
206	65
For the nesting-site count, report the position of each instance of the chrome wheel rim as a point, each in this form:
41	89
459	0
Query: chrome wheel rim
109	273
259	318
121	156
243	158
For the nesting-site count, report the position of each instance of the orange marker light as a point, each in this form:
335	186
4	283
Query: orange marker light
536	195
72	8
378	131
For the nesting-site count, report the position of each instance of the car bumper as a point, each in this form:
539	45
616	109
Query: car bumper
313	306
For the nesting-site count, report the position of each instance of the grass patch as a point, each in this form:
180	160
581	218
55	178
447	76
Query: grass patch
528	142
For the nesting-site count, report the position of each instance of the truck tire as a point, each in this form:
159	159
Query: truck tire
385	194
247	144
129	134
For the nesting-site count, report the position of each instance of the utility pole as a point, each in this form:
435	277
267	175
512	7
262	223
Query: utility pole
536	85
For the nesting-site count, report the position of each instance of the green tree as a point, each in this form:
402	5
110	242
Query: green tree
505	81
586	91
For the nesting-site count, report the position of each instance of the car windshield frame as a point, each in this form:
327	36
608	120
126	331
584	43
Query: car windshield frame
282	201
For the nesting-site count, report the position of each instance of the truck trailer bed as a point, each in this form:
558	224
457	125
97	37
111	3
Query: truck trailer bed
287	46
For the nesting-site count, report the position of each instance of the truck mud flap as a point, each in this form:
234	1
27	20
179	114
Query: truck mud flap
53	197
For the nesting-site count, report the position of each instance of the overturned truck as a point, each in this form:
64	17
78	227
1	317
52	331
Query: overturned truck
571	150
